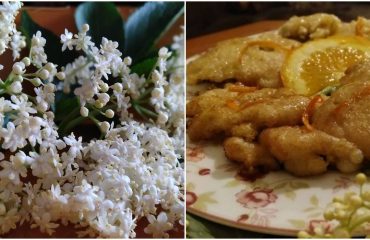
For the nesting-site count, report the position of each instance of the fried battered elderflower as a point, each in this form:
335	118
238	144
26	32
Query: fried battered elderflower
350	213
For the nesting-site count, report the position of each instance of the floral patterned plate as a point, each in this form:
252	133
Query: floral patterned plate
275	203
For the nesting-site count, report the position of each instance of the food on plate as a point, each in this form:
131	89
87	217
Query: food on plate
302	107
229	60
321	63
264	108
314	26
346	114
307	153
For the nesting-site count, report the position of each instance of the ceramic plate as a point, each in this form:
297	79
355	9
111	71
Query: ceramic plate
274	203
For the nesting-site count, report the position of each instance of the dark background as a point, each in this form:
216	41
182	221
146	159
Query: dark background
64	4
207	17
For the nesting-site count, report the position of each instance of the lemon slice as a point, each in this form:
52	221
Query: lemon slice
321	63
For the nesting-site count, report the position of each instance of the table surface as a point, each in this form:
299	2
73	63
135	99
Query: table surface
198	227
200	44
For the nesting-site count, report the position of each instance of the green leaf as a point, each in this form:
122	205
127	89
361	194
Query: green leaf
64	104
297	223
104	20
298	185
290	194
232	183
53	46
314	200
280	185
145	27
203	200
145	67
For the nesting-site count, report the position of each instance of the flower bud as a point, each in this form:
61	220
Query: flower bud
36	82
26	61
157	93
104	87
16	87
35	41
85	27
98	104
104	98
117	87
42	106
84	111
60	75
18	78
104	126
127	61
163	52
361	178
17	69
109	113
50	67
50	87
162	118
44	74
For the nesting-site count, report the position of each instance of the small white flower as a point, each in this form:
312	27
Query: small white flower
67	40
84	111
37	52
109	113
158	226
44	74
18	68
16	87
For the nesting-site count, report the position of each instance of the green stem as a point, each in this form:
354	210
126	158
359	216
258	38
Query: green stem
146	93
147	112
68	119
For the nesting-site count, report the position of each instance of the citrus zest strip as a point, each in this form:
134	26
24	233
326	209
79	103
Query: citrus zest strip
309	111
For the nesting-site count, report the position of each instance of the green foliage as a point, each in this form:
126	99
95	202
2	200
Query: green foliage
104	20
145	67
137	38
145	27
53	46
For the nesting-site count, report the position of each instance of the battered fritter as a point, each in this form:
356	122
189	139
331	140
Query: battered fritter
230	59
346	114
307	153
263	108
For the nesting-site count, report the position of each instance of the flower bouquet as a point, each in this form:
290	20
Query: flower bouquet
92	122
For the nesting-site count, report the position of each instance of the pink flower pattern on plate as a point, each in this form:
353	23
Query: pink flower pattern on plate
325	225
194	154
258	198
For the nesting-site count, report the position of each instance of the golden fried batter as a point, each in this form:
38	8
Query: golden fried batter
307	153
252	155
315	26
262	108
231	59
247	131
231	94
346	114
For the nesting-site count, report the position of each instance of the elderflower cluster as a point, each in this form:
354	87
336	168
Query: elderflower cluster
103	186
348	214
9	36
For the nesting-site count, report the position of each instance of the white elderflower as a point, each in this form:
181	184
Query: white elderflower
158	226
37	52
67	40
8	31
103	185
